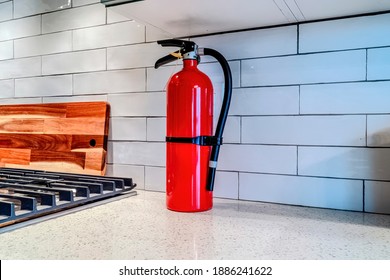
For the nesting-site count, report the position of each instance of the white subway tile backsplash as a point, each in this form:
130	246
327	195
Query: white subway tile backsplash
116	34
139	153
6	50
44	86
215	73
137	173
19	28
305	130
377	197
258	158
23	8
254	43
232	132
18	68
6	11
34	100
136	56
44	44
378	64
265	101
156	129
305	69
131	129
110	82
378	130
7	88
305	191
155	178
346	98
344	162
137	104
81	98
75	62
226	185
74	18
350	33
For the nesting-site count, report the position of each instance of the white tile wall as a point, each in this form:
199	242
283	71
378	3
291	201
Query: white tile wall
214	71
74	18
344	162
74	62
305	69
378	61
17	68
265	101
138	55
117	34
44	44
258	158
305	130
131	129
23	8
139	153
377	196
80	98
155	178
232	132
346	98
7	88
255	43
44	86
19	28
378	130
5	11
306	191
309	114
110	82
226	185
137	104
344	34
6	50
156	129
33	100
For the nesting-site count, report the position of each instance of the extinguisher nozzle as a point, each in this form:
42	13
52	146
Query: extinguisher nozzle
211	179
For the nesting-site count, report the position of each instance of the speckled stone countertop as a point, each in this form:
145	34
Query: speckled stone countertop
140	227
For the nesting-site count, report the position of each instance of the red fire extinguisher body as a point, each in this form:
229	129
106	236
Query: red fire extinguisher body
189	115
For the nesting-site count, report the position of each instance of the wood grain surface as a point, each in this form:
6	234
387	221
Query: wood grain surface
62	137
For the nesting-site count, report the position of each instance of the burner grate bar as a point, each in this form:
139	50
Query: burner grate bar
25	194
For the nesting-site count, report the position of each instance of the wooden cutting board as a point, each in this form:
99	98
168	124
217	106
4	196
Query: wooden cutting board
61	137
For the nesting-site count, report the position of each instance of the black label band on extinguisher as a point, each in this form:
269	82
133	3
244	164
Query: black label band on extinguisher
199	140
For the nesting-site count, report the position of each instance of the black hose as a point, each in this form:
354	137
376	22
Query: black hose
227	96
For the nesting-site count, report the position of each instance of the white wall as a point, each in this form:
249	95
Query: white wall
310	116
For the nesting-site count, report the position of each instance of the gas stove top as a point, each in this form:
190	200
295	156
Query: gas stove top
26	195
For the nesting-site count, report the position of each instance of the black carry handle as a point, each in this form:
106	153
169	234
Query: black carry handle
167	59
185	47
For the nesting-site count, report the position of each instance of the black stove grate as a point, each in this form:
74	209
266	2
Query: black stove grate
27	194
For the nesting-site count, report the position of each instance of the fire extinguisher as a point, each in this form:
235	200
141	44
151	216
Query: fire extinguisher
192	149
